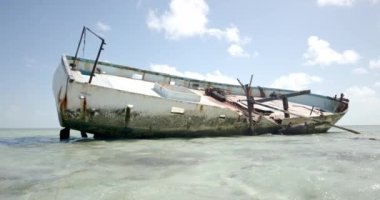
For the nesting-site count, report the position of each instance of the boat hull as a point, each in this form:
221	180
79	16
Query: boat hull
110	112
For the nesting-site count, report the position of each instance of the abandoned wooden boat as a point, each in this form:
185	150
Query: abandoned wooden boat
110	100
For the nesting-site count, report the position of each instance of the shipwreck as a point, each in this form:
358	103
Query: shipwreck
110	100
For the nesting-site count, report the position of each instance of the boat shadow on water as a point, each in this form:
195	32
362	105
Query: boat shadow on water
35	141
27	141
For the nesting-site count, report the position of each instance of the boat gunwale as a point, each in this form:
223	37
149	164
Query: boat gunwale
188	79
213	84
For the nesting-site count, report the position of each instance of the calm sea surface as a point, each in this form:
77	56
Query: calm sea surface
34	164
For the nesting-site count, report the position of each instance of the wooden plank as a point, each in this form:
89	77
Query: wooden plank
293	94
285	104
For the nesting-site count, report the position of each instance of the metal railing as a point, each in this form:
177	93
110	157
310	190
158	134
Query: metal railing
83	35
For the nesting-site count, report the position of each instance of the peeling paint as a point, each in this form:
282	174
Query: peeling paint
109	112
116	123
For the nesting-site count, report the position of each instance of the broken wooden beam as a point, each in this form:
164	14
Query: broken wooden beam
275	97
285	104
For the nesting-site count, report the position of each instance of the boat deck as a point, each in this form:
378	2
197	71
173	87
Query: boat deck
138	87
147	88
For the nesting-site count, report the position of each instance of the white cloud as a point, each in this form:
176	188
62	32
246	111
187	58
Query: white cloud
340	3
363	107
377	84
153	22
233	34
217	33
359	71
374	64
358	92
237	51
320	53
188	18
295	81
335	2
103	27
165	69
215	76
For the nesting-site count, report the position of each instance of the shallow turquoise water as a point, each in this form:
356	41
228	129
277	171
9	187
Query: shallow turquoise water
36	165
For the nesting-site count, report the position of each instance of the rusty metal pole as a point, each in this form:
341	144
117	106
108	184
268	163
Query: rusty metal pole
96	61
80	42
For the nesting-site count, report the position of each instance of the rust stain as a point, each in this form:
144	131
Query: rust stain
59	94
127	114
83	108
342	107
63	103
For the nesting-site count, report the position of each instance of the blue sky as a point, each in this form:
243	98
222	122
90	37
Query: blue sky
328	46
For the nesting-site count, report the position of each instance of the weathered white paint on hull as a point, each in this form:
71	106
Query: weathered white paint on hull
113	107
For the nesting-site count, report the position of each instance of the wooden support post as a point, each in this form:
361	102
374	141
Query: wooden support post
250	101
64	134
262	93
83	134
311	111
285	104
